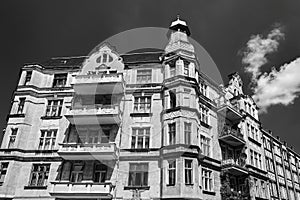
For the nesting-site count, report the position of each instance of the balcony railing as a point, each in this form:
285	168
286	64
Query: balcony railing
98	114
82	190
231	136
99	83
230	111
235	166
78	151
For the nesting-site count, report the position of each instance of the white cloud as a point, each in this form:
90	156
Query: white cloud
258	48
278	87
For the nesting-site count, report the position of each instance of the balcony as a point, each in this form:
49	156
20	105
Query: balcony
99	84
231	136
235	167
76	151
82	190
98	114
231	112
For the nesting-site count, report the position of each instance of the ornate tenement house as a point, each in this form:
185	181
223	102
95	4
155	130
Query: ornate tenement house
139	126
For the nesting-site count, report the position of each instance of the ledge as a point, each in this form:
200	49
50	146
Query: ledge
136	187
16	115
209	192
50	117
28	187
141	114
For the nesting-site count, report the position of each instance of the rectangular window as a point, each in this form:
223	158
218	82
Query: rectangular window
283	192
187	132
186	68
172	95
172	133
280	170
140	138
204	113
275	191
207	180
259	161
203	89
172	70
138	174
144	76
142	104
47	139
251	157
255	159
27	77
188	172
39	175
172	172
205	145
54	108
77	172
60	80
3	171
12	138
21	105
100	173
288	174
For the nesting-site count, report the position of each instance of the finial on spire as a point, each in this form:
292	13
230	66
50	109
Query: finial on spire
178	16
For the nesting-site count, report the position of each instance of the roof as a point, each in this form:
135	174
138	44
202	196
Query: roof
64	62
145	57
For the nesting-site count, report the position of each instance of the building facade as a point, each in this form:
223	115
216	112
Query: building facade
144	125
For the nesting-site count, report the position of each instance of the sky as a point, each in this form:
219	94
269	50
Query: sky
236	34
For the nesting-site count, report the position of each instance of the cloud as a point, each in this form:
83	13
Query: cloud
258	47
278	87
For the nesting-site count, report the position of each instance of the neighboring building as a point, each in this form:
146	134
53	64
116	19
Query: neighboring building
145	125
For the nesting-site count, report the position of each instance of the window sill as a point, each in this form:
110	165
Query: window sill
189	184
170	185
141	114
28	187
136	187
209	192
17	115
139	150
51	117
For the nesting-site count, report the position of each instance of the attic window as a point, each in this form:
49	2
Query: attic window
104	58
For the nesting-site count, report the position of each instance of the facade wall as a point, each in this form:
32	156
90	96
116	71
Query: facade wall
208	161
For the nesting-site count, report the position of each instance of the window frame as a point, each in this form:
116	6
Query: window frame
172	133
188	172
28	77
13	138
3	171
171	172
60	80
144	76
137	135
44	138
207	177
135	174
142	104
52	109
39	175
